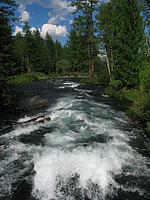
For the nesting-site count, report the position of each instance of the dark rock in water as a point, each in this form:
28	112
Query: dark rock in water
33	103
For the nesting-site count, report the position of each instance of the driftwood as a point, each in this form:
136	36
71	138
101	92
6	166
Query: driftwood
39	119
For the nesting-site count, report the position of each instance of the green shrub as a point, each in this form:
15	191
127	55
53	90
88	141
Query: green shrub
144	76
148	127
25	78
131	95
96	80
116	85
140	107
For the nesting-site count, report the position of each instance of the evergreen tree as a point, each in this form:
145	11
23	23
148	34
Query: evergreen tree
122	32
78	50
50	47
58	52
29	42
86	21
6	16
19	51
39	52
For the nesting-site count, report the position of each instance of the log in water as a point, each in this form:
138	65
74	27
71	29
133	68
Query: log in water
89	150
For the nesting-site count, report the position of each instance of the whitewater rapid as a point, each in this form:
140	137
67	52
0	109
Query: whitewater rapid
85	152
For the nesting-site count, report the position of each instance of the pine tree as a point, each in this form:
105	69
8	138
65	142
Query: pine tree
38	52
122	32
58	51
28	39
6	17
87	8
19	50
50	46
77	51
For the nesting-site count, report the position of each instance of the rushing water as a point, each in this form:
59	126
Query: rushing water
89	151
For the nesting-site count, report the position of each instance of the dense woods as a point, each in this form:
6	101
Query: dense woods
110	42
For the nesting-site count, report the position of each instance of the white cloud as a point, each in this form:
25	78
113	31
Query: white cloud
59	9
32	29
25	16
18	30
58	12
56	19
53	30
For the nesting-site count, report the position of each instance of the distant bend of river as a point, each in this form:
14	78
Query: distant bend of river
89	150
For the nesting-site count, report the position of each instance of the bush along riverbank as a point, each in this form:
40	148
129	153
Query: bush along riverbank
139	104
27	77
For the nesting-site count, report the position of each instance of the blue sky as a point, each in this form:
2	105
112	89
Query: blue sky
52	16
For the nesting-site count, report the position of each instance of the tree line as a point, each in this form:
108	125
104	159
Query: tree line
117	31
32	53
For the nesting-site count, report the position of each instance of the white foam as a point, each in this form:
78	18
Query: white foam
91	166
24	119
69	85
105	95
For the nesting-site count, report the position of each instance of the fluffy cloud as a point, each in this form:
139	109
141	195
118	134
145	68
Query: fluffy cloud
25	16
58	12
18	30
59	9
53	30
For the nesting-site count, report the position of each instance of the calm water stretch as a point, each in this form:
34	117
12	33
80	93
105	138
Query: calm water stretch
89	150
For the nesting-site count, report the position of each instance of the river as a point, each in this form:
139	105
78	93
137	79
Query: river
90	150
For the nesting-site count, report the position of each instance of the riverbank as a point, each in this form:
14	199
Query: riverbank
8	93
138	106
36	76
137	103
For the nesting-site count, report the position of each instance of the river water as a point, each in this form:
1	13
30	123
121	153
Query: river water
89	150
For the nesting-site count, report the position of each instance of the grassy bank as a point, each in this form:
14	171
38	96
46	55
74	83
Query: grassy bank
26	77
35	76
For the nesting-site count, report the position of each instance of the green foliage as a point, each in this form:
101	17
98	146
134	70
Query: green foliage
121	29
6	93
144	75
77	51
26	78
116	84
63	67
6	16
50	56
148	129
32	53
84	26
96	80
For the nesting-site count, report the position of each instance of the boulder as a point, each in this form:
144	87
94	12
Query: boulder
33	103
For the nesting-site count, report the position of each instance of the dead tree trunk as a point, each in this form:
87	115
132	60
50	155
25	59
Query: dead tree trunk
108	65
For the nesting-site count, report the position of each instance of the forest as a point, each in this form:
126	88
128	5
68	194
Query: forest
109	44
